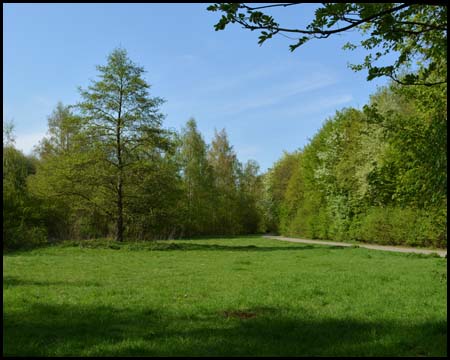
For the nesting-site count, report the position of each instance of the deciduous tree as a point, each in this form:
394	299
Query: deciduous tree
416	32
123	123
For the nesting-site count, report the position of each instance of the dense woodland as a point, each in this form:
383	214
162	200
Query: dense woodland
377	175
109	168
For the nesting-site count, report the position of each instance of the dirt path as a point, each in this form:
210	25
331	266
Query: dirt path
441	253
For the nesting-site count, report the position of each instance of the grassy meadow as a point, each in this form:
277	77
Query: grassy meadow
222	297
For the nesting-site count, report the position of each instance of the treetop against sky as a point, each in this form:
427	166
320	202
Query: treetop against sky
267	98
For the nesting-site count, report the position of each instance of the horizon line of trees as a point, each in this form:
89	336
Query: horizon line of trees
60	191
108	168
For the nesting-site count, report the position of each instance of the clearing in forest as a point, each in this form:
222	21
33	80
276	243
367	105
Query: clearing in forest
228	297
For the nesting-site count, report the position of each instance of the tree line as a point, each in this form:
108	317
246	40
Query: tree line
108	168
374	175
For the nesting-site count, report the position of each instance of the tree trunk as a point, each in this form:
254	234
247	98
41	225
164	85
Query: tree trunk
119	232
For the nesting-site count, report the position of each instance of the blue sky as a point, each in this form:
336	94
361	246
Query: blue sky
267	98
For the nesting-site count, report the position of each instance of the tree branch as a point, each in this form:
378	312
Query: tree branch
321	33
268	6
415	83
73	193
442	27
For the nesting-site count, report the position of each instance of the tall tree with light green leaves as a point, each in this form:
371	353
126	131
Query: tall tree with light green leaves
22	218
123	123
250	195
225	165
197	179
69	179
63	128
276	182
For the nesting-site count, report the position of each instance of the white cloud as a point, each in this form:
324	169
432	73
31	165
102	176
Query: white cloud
248	151
243	90
315	106
277	94
234	81
327	102
26	142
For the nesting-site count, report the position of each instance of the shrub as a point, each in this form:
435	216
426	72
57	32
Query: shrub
402	226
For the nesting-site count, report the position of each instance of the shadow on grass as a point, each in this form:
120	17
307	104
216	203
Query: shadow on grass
188	245
215	247
68	330
164	245
13	281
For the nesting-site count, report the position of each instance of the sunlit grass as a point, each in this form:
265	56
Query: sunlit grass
237	296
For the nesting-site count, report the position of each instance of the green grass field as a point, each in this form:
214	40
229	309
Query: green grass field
217	297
